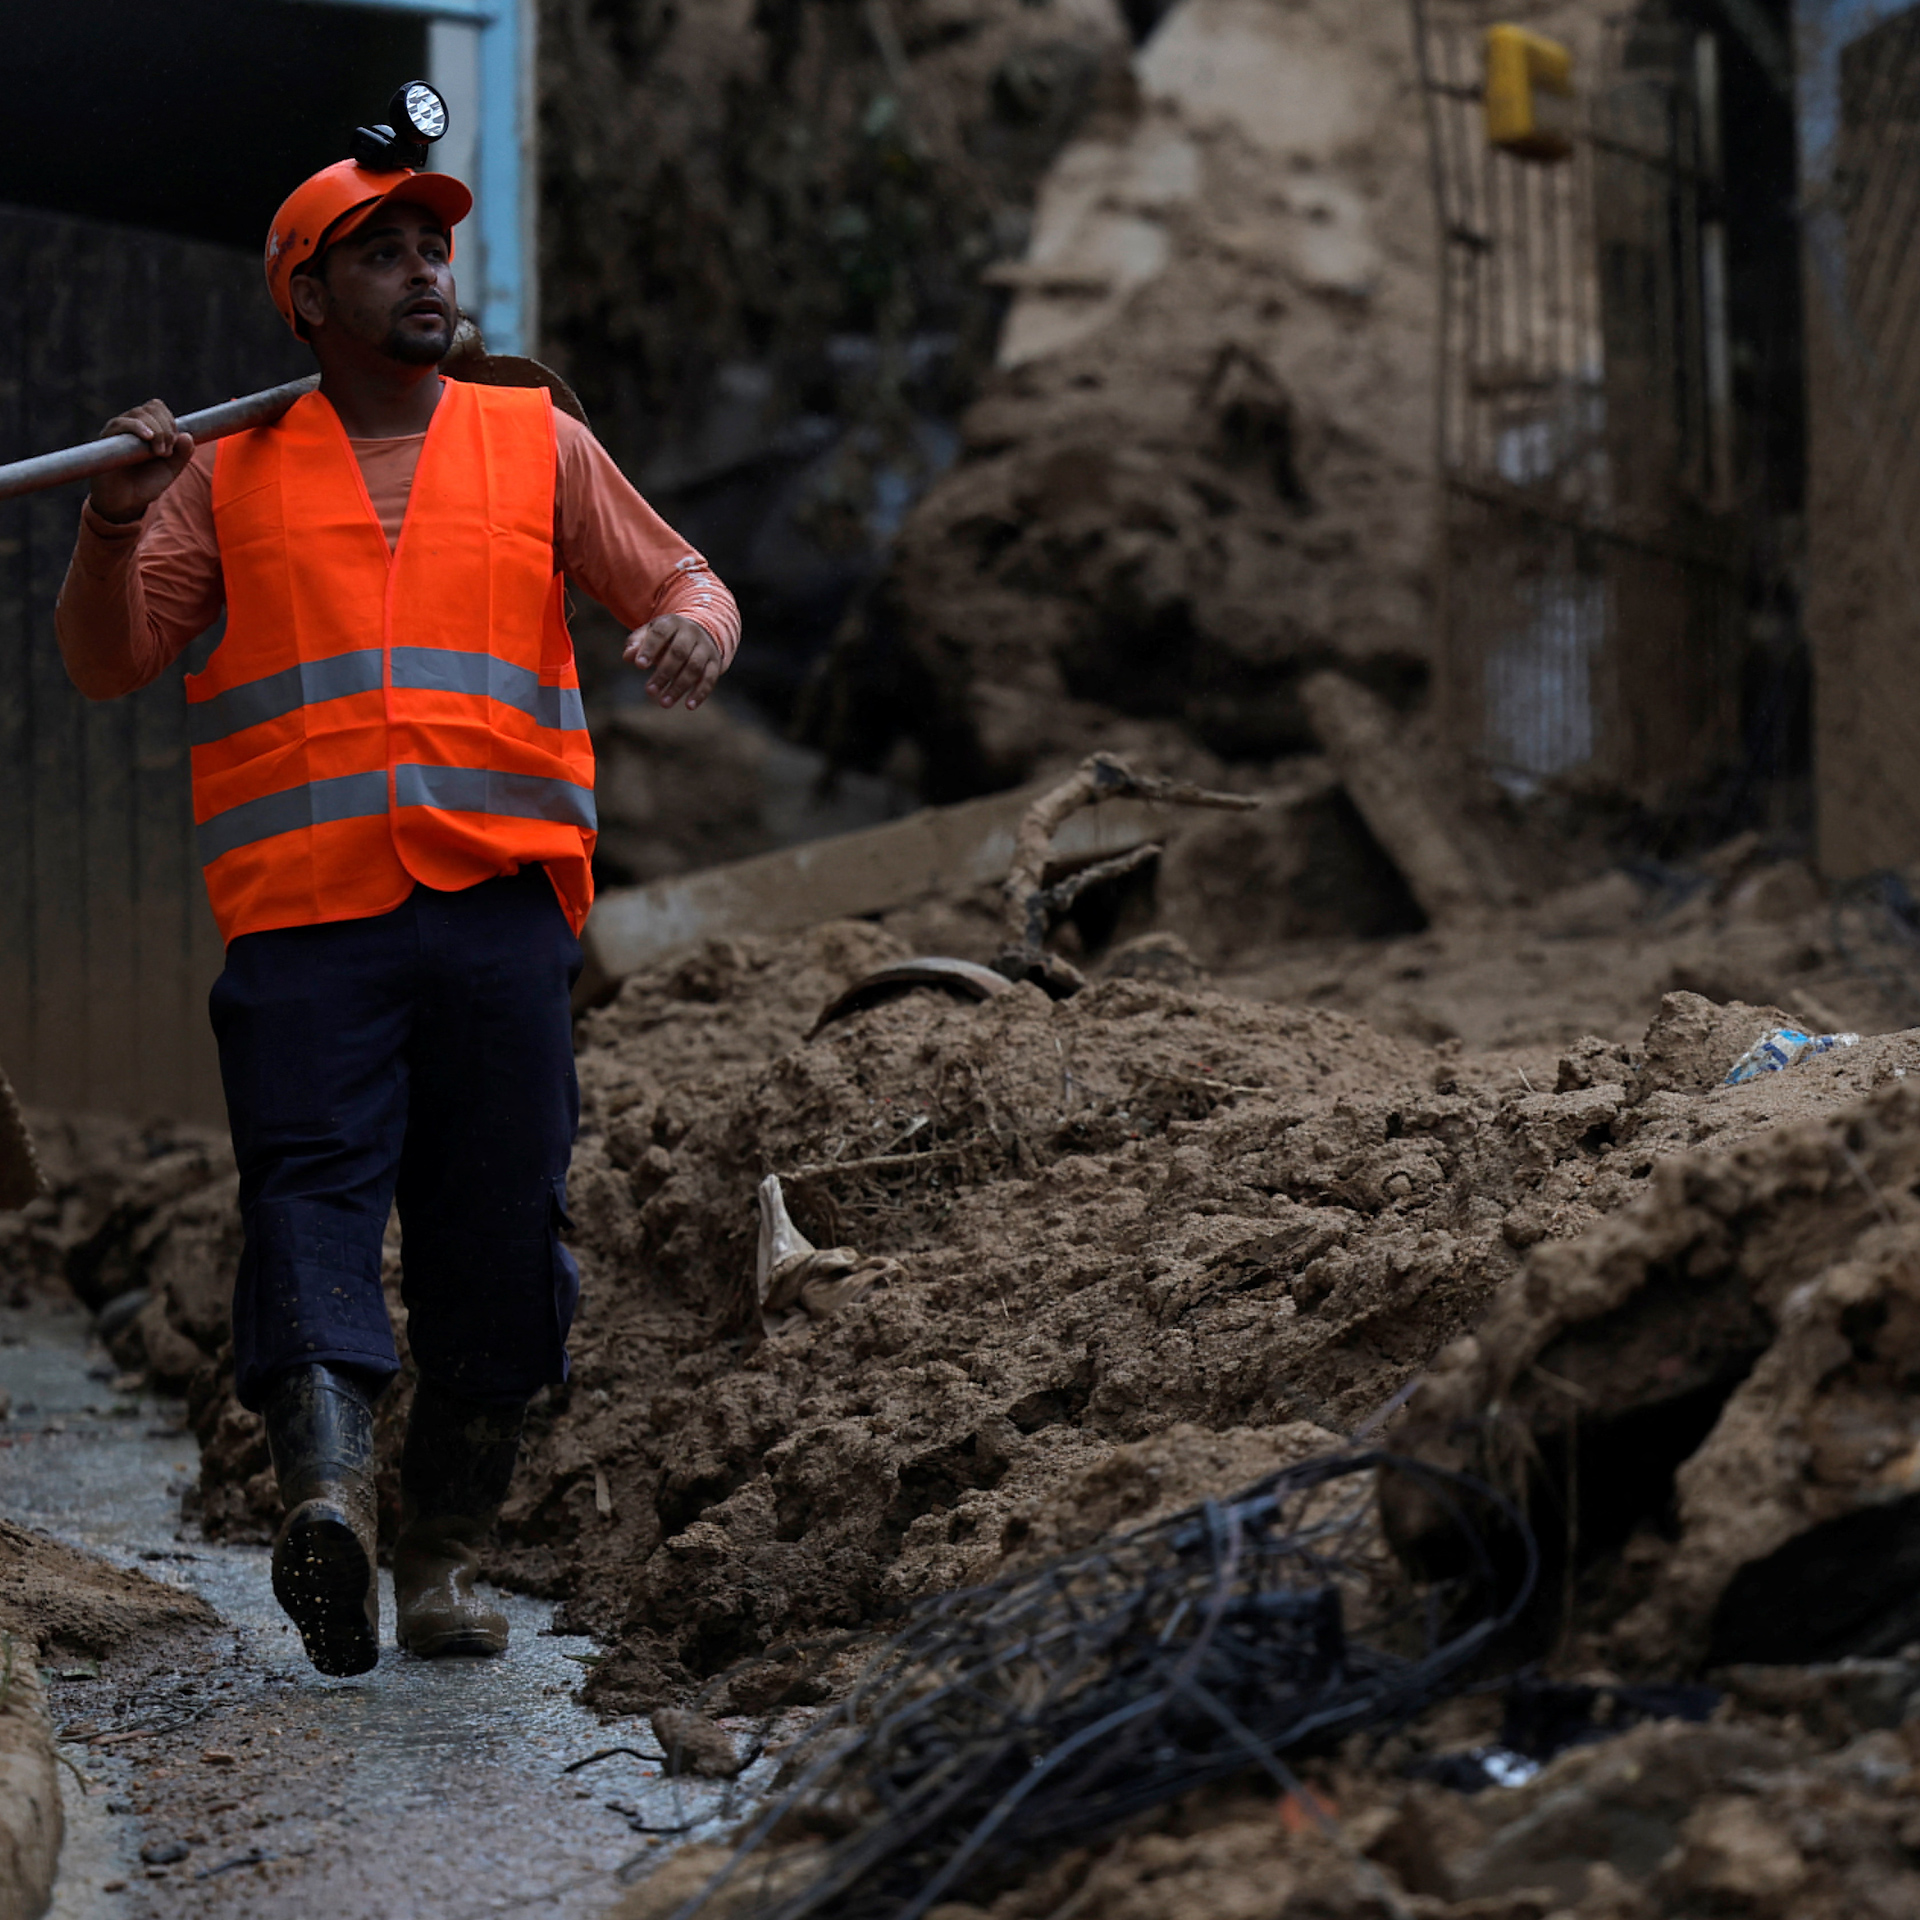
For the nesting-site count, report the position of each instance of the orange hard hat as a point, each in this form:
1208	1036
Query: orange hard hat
337	201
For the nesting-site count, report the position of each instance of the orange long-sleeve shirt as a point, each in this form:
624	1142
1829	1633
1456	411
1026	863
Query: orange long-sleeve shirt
137	596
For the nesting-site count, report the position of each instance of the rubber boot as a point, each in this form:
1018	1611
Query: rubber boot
454	1474
320	1432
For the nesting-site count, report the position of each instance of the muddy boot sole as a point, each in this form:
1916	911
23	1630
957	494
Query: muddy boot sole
321	1577
469	1642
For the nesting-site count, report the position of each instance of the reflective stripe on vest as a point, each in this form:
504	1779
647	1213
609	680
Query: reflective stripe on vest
360	796
305	685
517	796
384	716
426	669
349	796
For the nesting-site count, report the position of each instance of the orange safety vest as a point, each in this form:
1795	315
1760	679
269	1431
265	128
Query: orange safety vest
377	718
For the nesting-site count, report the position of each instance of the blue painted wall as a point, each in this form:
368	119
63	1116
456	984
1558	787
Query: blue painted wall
482	55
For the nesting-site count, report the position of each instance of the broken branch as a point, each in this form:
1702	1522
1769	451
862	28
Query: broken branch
1033	907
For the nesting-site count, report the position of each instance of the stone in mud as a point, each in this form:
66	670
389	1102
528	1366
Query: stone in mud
694	1744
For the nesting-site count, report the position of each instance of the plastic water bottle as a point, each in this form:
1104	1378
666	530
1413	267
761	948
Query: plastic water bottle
1781	1047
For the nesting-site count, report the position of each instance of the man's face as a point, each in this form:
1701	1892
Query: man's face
388	286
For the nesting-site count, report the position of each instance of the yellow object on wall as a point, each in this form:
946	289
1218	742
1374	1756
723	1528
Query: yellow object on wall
1529	94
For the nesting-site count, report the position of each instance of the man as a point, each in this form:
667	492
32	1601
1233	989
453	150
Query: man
393	789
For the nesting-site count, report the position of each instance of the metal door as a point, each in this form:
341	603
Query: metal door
1590	546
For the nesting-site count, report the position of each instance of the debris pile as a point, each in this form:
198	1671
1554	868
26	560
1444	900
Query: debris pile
1711	1394
1143	1208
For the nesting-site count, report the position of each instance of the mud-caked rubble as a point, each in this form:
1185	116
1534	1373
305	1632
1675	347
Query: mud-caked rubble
1202	466
1711	1393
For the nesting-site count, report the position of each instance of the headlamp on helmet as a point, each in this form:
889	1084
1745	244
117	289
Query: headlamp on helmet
420	115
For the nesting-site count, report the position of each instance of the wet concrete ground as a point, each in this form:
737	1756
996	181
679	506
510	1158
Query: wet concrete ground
255	1786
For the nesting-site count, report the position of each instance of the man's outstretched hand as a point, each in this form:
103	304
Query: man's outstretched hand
681	658
126	493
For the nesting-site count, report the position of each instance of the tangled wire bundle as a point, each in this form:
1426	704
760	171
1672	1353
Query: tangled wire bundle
1010	1722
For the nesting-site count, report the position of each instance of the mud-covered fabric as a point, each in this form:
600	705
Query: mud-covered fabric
425	1054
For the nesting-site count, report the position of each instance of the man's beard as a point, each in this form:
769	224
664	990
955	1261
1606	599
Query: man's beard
419	349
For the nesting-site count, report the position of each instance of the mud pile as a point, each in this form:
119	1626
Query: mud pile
1203	464
1143	1209
1156	1241
1704	1398
1132	1227
67	1603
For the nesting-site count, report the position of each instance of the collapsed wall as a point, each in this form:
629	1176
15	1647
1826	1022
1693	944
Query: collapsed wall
1204	462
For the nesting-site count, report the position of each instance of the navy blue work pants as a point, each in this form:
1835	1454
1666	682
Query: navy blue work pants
424	1055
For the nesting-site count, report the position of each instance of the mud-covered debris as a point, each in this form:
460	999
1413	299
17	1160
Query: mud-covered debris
1710	1388
1779	1047
1033	906
964	979
1670	1822
790	1271
1695	1043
